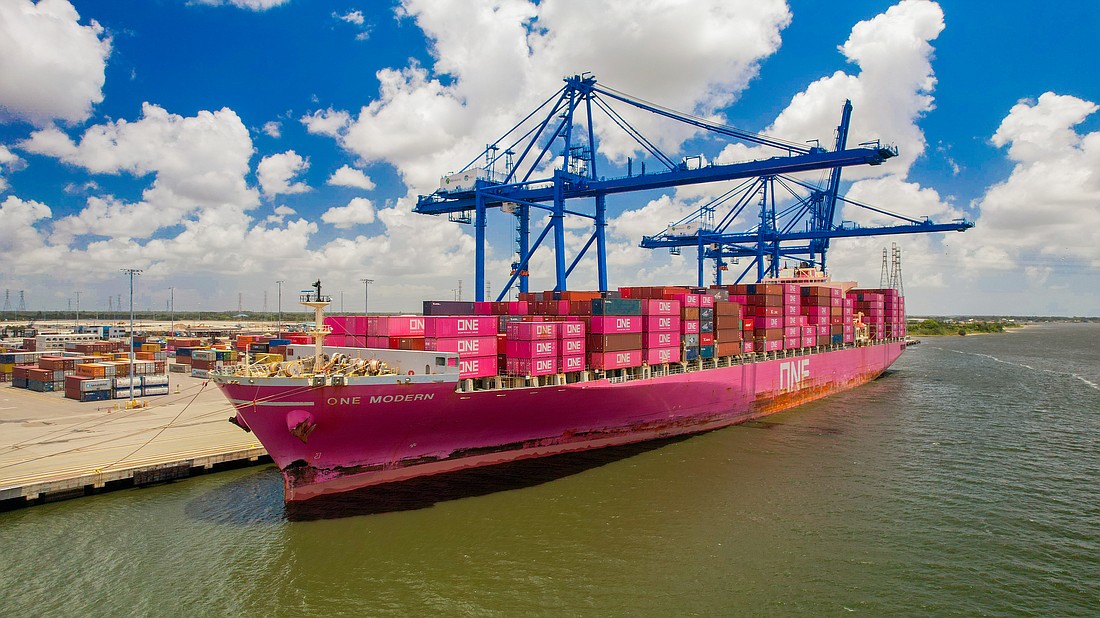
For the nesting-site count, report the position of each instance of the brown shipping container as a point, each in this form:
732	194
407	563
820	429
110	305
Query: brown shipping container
613	343
689	313
727	308
772	334
722	322
766	300
727	348
727	335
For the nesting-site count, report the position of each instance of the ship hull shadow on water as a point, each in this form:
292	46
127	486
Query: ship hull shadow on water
428	491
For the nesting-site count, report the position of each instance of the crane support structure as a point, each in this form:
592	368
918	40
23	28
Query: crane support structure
556	172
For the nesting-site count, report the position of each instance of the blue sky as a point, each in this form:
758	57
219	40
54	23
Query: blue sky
223	145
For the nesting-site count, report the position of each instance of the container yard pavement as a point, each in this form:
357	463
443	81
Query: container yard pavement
53	446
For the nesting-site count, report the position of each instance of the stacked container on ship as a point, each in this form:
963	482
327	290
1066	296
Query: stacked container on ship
478	384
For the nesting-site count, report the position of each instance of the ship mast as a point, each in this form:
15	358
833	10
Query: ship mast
318	302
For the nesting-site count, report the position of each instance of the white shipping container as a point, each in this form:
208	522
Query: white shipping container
156	390
200	373
124	393
127	382
154	380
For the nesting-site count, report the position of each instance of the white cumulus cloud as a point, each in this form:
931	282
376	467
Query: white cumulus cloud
502	59
276	171
9	162
52	67
197	162
273	129
359	211
348	176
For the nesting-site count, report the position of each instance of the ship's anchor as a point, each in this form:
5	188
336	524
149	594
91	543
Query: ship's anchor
300	423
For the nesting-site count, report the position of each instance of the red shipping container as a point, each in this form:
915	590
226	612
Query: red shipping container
690	327
477	367
571	363
530	331
614	324
406	343
659	339
615	360
443	326
571	347
483	308
531	349
706	338
464	346
660	356
660	307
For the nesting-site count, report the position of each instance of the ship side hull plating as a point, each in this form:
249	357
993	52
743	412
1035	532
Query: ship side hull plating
333	439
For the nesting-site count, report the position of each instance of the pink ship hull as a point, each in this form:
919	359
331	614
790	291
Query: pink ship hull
368	435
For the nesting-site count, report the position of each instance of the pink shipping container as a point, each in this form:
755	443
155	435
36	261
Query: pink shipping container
483	308
615	324
531	349
741	299
795	320
809	342
531	366
518	307
615	360
814	310
571	347
660	356
397	326
530	331
690	327
792	343
767	322
706	301
822	329
849	337
791	288
687	300
792	309
571	363
746	346
477	367
378	342
808	331
792	299
792	331
467	346
661	324
773	345
660	307
445	326
571	330
659	340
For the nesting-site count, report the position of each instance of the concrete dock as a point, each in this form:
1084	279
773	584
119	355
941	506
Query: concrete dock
55	448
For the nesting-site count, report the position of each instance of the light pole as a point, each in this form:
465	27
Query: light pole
131	272
78	310
172	309
366	294
280	284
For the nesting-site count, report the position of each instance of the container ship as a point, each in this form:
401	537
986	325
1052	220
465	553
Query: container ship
384	399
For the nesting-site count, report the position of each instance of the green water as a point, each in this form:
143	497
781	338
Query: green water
964	482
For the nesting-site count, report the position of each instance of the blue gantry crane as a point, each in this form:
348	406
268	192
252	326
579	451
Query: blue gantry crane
548	161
